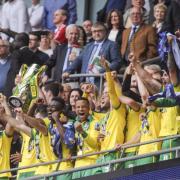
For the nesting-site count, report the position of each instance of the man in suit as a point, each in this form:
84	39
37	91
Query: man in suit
20	55
141	39
61	57
88	60
34	41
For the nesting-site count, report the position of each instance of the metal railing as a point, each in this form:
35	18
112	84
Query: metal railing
110	163
100	76
103	152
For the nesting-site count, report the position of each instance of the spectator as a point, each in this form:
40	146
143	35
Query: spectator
87	141
110	5
36	13
68	5
87	25
160	24
61	58
5	63
115	26
82	37
60	18
138	4
88	60
34	40
45	43
15	16
5	138
141	39
21	55
172	15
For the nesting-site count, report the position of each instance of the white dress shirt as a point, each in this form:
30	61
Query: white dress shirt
15	16
36	14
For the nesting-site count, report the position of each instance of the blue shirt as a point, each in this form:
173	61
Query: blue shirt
50	6
4	69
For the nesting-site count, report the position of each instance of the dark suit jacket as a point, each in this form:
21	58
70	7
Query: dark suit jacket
19	57
57	61
143	44
109	51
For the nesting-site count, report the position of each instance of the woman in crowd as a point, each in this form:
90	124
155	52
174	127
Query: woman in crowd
115	26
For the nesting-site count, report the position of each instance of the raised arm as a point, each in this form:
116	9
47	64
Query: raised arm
16	123
151	84
36	123
111	88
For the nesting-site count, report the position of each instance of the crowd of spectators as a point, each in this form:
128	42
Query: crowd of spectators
68	116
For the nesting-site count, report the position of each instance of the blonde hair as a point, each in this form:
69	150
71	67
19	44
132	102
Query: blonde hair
160	6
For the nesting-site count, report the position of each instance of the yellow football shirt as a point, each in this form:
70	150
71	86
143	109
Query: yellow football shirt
28	153
169	124
133	124
5	146
151	133
89	145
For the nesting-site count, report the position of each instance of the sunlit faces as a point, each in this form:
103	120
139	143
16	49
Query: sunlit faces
74	96
35	2
45	40
4	48
33	41
136	16
114	18
67	89
59	17
98	33
105	100
82	109
138	3
72	35
159	14
87	26
133	81
165	77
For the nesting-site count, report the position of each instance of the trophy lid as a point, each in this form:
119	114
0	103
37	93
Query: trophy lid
15	102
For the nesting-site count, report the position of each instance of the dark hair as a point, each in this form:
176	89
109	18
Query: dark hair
83	99
36	33
99	24
42	109
108	19
54	87
78	90
23	38
81	30
60	102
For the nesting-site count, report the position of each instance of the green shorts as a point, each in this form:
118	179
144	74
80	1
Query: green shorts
167	144
130	163
106	158
24	175
4	178
146	160
62	177
81	174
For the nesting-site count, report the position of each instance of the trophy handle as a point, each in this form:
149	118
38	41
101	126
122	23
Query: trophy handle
15	102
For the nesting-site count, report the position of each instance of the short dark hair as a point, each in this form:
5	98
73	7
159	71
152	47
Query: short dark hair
60	102
78	90
83	99
36	33
54	87
23	37
97	24
42	109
